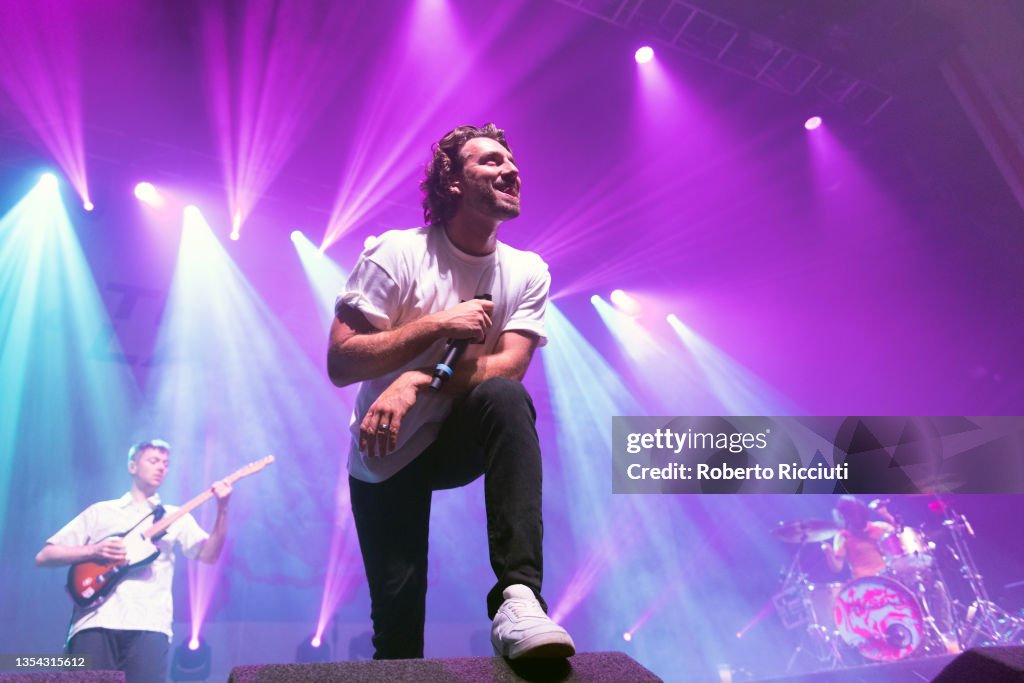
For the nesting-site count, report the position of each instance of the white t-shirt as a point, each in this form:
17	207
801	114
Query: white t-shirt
408	274
142	600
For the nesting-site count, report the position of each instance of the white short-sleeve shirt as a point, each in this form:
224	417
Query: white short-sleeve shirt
142	600
408	274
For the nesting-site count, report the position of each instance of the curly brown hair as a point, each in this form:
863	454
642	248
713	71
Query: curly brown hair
439	204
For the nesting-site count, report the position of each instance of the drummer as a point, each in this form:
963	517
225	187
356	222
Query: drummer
856	542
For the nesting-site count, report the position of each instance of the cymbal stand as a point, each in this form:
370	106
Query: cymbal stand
986	623
817	640
931	593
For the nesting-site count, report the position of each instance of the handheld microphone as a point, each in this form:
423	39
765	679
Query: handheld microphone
452	353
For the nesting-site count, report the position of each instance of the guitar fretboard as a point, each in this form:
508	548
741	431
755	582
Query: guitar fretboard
161	526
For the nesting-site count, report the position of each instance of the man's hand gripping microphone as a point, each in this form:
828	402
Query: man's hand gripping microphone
452	352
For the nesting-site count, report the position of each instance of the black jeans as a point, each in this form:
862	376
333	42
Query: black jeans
141	655
490	432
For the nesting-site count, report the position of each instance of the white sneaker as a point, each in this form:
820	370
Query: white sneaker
521	629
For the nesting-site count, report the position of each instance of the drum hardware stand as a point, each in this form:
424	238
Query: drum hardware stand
817	640
923	591
985	622
821	643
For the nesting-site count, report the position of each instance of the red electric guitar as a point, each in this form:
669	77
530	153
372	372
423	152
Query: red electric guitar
89	583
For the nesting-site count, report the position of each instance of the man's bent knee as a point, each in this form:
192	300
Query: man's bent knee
500	390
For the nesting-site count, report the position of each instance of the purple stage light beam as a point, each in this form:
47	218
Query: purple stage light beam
439	73
429	58
266	91
39	70
344	563
602	559
666	195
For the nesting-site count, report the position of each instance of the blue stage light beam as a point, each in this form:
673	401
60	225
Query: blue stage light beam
326	278
739	390
231	386
585	393
629	545
667	380
66	400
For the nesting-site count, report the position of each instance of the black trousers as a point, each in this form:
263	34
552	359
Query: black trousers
490	432
141	655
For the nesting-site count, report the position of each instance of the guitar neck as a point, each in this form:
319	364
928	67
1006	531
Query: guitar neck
170	519
161	526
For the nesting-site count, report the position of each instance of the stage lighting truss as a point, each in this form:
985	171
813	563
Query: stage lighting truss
721	42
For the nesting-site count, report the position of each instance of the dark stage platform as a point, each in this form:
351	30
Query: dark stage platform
593	667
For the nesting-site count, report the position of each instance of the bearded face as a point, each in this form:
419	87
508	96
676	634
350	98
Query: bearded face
490	182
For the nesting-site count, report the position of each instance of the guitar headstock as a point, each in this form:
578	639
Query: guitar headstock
251	468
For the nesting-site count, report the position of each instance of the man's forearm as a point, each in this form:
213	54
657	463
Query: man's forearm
59	555
511	359
470	373
358	352
211	549
365	356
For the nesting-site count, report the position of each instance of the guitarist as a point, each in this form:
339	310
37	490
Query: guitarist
131	630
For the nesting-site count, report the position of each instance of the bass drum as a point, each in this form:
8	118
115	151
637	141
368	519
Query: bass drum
880	618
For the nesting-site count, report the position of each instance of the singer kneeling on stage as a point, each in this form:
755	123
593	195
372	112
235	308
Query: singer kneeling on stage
448	305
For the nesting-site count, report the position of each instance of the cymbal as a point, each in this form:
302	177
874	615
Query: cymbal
805	531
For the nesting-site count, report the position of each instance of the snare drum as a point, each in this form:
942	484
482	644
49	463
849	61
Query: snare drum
880	618
906	549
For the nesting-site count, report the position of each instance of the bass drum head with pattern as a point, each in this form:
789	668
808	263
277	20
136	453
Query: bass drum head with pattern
880	618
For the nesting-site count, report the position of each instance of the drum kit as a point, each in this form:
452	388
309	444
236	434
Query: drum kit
904	611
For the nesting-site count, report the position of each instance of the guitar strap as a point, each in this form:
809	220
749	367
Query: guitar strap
158	514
